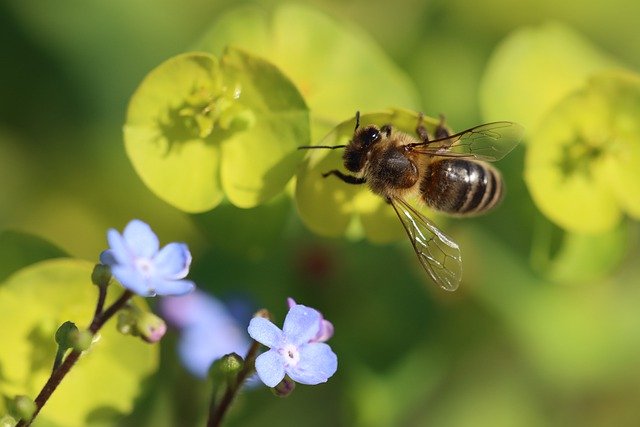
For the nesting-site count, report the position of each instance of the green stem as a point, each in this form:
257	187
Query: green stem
99	319
59	358
217	412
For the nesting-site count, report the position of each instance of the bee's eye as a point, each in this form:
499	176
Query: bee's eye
370	135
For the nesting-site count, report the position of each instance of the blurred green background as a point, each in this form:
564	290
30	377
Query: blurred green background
544	329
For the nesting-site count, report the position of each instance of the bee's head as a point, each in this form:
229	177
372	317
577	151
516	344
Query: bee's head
364	138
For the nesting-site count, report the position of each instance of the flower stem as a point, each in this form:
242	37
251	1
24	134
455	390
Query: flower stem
99	319
218	411
102	318
102	296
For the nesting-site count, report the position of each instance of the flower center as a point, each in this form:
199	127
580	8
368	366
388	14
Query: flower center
291	354
145	266
578	157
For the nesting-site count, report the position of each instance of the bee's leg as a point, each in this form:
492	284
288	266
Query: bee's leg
441	129
421	131
349	179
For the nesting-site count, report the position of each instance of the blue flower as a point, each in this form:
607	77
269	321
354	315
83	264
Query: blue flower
294	350
207	330
139	264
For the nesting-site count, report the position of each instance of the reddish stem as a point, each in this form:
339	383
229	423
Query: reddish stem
99	319
217	412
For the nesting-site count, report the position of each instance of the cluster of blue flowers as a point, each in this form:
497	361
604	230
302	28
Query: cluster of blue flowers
298	350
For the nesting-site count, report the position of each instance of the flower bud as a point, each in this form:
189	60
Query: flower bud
264	313
64	335
25	407
126	321
284	388
8	421
226	368
146	325
81	340
150	327
231	364
101	275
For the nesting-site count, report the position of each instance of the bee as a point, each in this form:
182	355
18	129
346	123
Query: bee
448	172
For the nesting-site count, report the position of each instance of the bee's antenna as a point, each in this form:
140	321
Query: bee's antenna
330	147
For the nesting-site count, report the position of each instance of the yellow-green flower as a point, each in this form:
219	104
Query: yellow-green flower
199	129
583	160
582	144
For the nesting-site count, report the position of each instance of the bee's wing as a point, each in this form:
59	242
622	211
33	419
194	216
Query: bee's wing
490	142
437	252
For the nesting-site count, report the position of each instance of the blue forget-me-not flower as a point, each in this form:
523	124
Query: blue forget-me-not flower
295	350
207	330
138	263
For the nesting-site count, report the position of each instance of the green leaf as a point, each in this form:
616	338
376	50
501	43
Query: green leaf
331	207
198	129
34	301
533	69
581	163
18	250
337	67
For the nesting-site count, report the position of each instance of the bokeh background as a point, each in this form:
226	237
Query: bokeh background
544	329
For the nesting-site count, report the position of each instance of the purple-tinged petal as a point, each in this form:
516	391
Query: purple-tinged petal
325	332
265	332
172	287
140	239
132	280
301	324
317	363
119	250
172	262
270	368
291	302
107	257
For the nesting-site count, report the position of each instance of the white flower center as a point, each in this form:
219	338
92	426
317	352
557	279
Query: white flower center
291	354
145	266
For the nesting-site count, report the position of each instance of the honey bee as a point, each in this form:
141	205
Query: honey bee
447	172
